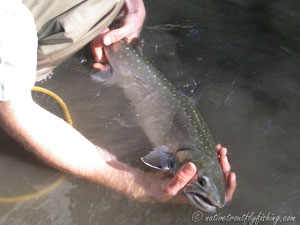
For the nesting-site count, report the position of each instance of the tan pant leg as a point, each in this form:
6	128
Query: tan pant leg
65	26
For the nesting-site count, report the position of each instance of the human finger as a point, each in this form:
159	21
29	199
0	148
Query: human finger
181	178
100	66
231	186
223	159
225	163
97	46
118	34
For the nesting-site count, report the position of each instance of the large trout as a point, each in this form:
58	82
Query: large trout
172	123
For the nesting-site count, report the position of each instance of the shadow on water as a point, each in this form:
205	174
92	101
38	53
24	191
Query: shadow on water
238	61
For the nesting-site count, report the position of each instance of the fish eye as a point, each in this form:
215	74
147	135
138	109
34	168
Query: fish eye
202	181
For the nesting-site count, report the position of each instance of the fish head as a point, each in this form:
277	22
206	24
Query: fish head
207	191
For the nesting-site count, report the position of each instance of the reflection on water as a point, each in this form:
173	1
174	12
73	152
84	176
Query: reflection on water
237	60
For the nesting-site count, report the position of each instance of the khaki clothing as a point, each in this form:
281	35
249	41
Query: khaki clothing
65	26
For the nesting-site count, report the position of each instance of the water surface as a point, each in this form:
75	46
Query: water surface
239	62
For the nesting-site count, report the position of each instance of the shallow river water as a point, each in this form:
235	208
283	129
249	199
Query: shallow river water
238	60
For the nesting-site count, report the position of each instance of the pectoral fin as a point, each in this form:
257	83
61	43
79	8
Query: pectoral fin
159	158
105	77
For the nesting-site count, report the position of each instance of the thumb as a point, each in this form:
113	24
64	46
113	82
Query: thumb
181	178
119	33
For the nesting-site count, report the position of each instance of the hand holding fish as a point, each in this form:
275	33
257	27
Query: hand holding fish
180	136
187	173
131	19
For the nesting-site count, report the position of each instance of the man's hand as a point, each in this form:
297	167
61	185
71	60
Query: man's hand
132	17
188	172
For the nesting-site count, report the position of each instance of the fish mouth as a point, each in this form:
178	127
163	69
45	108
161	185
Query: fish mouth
200	201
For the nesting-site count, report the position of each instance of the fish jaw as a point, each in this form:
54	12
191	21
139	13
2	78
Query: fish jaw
201	199
208	197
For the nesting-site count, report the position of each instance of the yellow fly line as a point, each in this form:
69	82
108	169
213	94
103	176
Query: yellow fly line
58	100
58	181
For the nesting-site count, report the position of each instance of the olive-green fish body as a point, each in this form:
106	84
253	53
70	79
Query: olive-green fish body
172	123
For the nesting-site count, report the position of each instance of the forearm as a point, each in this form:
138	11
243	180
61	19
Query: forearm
61	146
48	136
